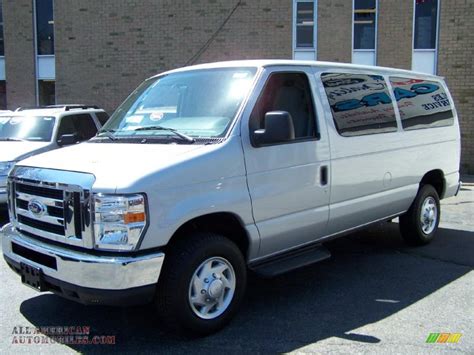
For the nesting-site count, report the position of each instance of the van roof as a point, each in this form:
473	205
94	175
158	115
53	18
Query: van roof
288	62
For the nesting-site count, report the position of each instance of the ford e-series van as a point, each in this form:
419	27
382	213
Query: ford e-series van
207	171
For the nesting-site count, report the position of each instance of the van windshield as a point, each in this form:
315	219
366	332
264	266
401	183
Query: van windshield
198	104
26	128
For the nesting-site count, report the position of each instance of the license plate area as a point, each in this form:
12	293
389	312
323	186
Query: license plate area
32	276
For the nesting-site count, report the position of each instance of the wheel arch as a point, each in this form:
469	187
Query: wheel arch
226	224
436	179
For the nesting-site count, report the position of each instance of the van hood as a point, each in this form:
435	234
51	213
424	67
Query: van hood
115	165
12	151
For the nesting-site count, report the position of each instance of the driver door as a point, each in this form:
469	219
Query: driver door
288	181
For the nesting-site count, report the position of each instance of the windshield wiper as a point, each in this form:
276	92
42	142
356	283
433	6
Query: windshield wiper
161	128
13	139
109	133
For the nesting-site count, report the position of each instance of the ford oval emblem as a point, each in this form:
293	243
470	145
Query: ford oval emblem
36	207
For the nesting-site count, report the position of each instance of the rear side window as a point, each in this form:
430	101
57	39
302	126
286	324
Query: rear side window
83	125
102	117
360	104
422	103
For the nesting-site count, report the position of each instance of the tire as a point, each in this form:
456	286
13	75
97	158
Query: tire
415	231
217	268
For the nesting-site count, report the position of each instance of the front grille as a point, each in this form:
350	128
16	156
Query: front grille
52	211
58	212
44	226
40	191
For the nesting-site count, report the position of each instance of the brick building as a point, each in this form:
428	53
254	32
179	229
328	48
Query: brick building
98	51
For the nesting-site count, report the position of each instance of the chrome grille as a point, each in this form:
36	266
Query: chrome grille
51	210
52	220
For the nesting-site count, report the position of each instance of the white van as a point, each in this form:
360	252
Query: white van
27	132
207	171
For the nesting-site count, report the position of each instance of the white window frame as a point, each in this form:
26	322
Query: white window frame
42	61
374	51
313	49
424	51
2	57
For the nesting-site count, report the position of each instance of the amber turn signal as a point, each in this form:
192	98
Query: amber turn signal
133	217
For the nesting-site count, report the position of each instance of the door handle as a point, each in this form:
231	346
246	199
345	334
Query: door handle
324	175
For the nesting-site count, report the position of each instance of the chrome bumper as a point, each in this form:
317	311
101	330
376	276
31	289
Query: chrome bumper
105	272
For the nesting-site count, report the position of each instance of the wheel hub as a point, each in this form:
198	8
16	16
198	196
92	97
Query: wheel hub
429	215
212	288
216	288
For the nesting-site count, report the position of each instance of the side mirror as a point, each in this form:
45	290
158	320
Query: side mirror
68	139
278	129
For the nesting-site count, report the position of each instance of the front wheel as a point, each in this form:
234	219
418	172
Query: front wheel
419	224
202	284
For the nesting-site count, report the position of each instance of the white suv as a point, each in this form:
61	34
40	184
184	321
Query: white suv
27	132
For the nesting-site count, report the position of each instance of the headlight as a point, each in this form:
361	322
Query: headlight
119	221
6	166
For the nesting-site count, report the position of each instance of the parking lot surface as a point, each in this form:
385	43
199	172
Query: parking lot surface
375	295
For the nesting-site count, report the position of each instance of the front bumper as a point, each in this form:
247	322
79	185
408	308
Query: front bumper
84	277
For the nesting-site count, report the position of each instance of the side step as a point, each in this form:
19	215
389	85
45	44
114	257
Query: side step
289	261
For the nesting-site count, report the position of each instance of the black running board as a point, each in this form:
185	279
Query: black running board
290	261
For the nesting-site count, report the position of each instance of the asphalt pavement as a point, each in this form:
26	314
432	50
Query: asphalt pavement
375	295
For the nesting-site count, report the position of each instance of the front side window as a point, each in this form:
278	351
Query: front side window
290	92
26	128
360	103
364	24
44	27
422	103
82	125
426	19
197	103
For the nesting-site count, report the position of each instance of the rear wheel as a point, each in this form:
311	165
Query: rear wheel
201	285
419	224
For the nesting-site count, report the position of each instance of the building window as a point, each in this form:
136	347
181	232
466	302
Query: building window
364	24
364	32
304	24
46	92
44	27
45	60
304	29
2	45
3	95
426	21
425	35
3	87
